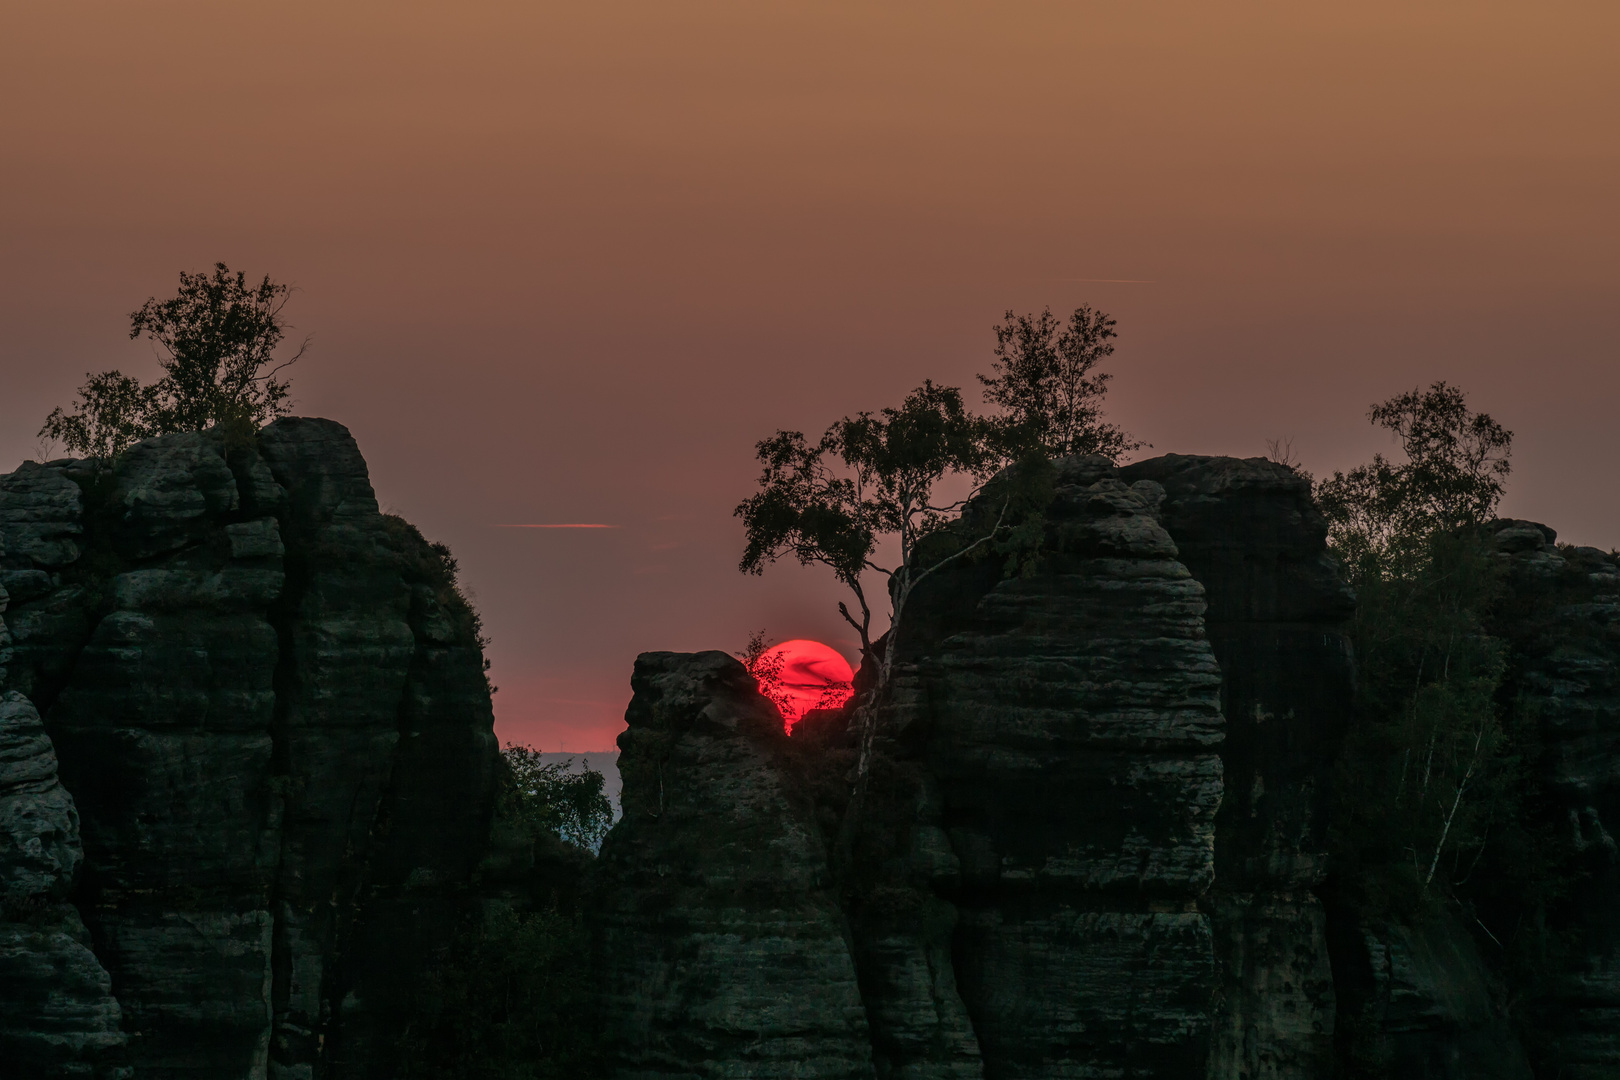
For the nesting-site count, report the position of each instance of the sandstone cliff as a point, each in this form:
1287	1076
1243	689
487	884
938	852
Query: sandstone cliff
1095	837
1033	885
268	702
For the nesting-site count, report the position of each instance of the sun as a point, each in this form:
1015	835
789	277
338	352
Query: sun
801	675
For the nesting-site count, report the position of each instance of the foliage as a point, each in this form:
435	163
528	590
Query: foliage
551	798
1383	514
1046	381
1431	769
512	995
114	411
218	338
766	668
868	476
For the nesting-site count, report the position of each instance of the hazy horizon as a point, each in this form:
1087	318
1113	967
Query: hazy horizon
565	264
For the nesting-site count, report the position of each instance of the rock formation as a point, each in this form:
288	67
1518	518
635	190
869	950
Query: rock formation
722	944
1091	843
1094	837
270	705
1248	531
1561	620
57	1013
1033	881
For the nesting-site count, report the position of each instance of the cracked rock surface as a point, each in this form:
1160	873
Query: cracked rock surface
270	706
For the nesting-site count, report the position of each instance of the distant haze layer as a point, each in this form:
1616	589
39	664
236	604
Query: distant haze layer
564	263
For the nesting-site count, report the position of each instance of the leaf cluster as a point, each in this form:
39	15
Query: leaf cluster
217	339
1382	514
868	474
550	797
1047	381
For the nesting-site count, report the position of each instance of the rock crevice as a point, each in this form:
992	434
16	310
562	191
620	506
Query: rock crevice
257	685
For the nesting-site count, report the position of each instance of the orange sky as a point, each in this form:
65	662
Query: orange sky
565	263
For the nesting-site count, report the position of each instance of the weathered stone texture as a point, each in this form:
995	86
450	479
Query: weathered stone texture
1561	618
230	644
1071	722
722	947
1248	530
58	1017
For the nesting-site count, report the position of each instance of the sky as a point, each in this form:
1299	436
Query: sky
566	263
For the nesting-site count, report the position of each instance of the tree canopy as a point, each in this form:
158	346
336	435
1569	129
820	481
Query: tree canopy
908	473
551	797
1456	468
1047	381
1427	773
218	341
868	475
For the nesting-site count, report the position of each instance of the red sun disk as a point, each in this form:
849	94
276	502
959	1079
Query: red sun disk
812	676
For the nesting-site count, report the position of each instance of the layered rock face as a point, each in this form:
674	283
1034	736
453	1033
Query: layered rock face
1071	724
1034	882
1561	618
57	1013
722	947
1249	532
270	705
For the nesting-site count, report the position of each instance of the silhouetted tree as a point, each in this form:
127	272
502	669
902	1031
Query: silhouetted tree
1046	379
1425	773
113	412
871	476
1454	474
218	337
552	798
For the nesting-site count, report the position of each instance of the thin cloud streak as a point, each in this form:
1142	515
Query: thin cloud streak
1115	280
569	526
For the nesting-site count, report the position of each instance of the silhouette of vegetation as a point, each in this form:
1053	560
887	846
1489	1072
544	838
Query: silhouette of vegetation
1385	515
1047	381
1429	770
550	797
766	668
218	338
512	997
885	475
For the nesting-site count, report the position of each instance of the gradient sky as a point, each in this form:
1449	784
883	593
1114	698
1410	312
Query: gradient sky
565	263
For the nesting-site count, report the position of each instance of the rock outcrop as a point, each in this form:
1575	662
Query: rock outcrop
1561	620
722	947
57	1013
1069	722
1249	532
269	702
1032	881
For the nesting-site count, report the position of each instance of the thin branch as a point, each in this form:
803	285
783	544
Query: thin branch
1452	814
985	539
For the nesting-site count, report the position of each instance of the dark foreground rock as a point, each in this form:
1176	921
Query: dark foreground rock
269	703
1032	884
57	1013
1094	841
722	947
